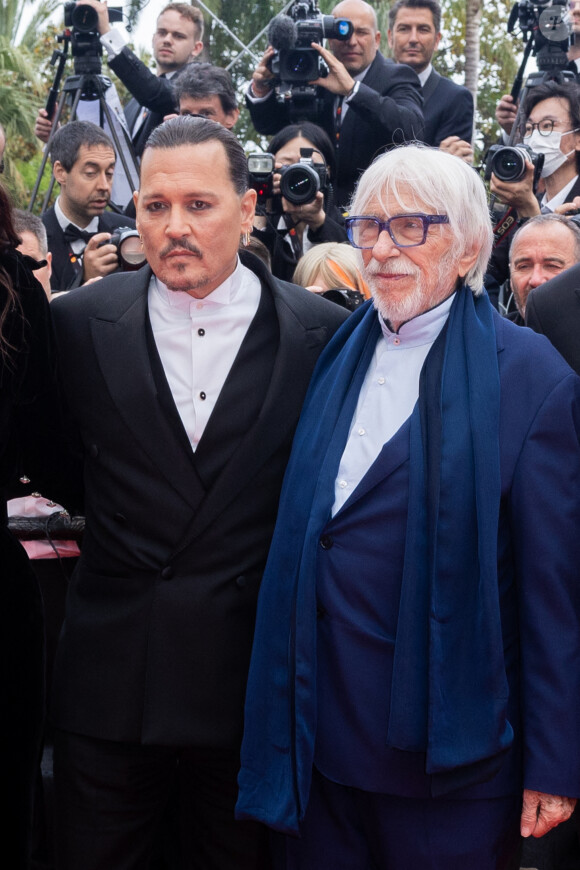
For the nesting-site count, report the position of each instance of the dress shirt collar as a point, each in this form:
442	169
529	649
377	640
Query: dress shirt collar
420	330
227	292
560	198
63	221
424	75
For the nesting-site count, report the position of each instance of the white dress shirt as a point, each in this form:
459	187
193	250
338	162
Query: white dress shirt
388	395
77	245
198	341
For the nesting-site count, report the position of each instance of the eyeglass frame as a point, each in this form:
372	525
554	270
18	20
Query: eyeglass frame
537	127
385	226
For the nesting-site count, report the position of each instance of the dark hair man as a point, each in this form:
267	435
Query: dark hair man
414	34
34	244
541	248
207	90
368	102
430	506
186	380
83	163
177	40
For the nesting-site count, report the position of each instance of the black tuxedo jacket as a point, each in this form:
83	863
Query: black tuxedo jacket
149	91
553	309
447	109
160	613
66	268
386	111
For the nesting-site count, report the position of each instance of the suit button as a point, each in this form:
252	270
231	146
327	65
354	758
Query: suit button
326	542
120	518
93	451
241	582
167	573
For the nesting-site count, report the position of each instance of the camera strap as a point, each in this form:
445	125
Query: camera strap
506	225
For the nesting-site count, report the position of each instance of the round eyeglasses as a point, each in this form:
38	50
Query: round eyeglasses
543	127
405	230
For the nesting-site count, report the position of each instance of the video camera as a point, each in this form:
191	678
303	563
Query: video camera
86	47
546	24
295	63
299	182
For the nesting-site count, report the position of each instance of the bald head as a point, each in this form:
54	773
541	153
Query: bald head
358	52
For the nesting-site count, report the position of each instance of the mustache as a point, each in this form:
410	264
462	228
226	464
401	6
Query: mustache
395	267
182	245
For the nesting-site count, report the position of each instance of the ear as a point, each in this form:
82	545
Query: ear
135	199
468	260
437	41
378	39
248	210
48	259
197	49
231	118
390	38
59	172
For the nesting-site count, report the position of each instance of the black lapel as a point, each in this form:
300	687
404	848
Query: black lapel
121	348
430	86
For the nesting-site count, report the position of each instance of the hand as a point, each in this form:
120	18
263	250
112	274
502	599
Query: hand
518	194
458	147
505	113
98	262
542	812
100	7
311	213
262	77
568	207
42	126
339	80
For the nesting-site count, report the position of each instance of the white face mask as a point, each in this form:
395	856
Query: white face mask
549	146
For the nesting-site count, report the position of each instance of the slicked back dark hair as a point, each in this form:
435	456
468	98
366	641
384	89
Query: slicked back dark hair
71	137
315	134
187	130
432	5
206	80
554	90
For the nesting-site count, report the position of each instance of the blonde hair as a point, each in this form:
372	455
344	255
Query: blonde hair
336	263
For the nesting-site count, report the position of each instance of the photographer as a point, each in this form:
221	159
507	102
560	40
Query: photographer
368	103
77	226
176	42
552	128
288	230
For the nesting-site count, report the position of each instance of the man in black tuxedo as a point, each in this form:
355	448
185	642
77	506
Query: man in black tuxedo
176	42
77	226
186	381
414	34
368	102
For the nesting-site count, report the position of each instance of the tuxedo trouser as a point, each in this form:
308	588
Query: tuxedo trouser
110	798
348	829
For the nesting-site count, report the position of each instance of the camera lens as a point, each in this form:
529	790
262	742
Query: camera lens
509	164
85	18
299	184
301	64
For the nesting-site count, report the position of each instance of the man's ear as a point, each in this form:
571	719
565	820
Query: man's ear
231	118
59	172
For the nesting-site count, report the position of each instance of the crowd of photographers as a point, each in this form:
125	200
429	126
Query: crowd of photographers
329	102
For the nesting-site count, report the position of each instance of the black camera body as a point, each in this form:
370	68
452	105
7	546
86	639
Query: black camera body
508	163
82	21
544	21
295	63
130	252
300	182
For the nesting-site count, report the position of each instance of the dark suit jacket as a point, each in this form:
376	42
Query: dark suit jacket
447	109
149	91
386	111
160	613
554	310
66	269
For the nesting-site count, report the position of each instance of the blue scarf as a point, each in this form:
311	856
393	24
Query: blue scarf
449	690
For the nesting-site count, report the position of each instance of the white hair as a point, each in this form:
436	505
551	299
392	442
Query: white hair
444	184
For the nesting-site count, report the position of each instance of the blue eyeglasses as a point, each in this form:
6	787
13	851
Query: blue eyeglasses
406	230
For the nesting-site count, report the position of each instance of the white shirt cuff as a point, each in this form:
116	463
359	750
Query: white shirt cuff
113	42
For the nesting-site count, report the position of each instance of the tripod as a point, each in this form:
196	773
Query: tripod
87	84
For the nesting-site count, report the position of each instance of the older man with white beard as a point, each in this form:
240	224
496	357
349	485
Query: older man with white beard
413	698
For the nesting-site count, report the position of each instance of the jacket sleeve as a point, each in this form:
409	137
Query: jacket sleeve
153	92
395	109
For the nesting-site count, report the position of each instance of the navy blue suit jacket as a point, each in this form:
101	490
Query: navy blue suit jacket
447	109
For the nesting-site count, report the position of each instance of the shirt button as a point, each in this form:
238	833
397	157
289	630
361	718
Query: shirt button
199	306
342	483
167	573
202	395
201	332
362	431
381	380
397	341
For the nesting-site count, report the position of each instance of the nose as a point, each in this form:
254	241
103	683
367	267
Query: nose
538	276
177	224
384	247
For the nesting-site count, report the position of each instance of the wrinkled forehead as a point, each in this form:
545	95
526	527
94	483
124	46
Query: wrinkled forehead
396	197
